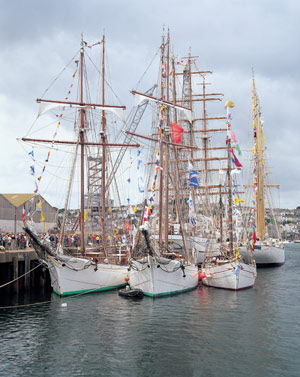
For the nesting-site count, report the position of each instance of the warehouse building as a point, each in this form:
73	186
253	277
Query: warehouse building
34	206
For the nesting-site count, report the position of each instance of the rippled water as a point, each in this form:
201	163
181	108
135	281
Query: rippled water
206	332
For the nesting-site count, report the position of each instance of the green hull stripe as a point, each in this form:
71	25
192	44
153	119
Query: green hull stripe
169	293
88	290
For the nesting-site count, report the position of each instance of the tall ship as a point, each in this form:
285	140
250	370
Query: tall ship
266	242
162	261
223	265
87	255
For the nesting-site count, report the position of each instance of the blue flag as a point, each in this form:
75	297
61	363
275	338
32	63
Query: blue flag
194	178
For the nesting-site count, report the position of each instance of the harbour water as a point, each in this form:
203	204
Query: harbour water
206	332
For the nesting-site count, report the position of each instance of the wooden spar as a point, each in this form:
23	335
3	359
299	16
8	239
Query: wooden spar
82	114
165	103
198	188
103	165
260	197
75	142
203	193
161	151
210	118
166	142
177	169
207	130
194	73
205	142
211	130
209	94
275	186
229	193
202	99
196	160
221	214
166	173
81	104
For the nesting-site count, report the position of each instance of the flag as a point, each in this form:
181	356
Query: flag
194	178
236	200
31	153
84	216
127	226
32	171
237	252
23	214
235	160
254	237
42	217
176	133
192	211
39	205
237	270
229	103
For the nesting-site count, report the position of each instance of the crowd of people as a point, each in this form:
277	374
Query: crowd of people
11	241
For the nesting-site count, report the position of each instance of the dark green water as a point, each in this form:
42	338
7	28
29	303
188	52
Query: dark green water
206	332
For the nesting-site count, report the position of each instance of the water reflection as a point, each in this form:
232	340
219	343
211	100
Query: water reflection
206	332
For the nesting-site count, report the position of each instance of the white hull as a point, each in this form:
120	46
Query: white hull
230	275
78	275
266	256
163	277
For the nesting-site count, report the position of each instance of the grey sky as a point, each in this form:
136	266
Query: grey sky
230	37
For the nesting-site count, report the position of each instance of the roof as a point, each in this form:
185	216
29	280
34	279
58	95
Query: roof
18	199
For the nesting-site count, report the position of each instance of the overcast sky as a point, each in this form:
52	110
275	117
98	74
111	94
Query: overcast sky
230	37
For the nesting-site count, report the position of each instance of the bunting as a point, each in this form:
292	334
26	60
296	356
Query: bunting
32	169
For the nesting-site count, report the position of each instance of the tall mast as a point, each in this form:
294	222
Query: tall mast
166	229
103	140
82	113
229	180
258	145
178	209
161	147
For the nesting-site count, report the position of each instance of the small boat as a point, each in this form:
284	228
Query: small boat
131	293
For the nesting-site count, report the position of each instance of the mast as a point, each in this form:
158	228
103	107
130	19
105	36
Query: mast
161	147
229	180
259	174
166	229
82	113
103	139
178	209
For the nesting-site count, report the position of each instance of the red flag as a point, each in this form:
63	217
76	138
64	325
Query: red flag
23	214
236	161
254	237
176	132
127	226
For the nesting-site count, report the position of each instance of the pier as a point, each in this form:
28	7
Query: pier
15	263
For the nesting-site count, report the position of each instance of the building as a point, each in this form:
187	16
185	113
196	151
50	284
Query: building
13	205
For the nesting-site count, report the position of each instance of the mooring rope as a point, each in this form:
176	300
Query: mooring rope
19	277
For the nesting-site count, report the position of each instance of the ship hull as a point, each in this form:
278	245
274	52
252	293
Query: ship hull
163	277
78	275
233	276
266	256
